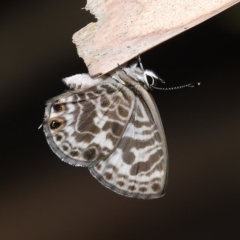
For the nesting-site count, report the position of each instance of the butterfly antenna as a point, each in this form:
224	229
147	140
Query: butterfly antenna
191	85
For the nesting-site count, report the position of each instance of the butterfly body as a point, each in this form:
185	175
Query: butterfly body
112	126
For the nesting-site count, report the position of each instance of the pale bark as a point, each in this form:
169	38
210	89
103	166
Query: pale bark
127	28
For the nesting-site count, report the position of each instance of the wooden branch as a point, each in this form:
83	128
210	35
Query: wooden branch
127	28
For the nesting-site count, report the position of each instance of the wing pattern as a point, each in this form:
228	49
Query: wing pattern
115	130
137	168
84	127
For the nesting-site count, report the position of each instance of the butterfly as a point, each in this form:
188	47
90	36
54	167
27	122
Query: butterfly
111	125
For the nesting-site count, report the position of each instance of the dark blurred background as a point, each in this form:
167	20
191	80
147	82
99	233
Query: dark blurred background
44	198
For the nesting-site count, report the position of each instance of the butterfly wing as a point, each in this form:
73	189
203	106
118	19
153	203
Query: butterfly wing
85	126
138	167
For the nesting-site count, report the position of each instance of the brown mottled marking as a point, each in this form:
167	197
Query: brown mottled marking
98	166
85	96
84	124
74	153
120	183
77	136
94	129
147	132
142	189
98	91
131	188
58	107
139	124
122	176
108	176
90	94
88	137
105	149
80	96
156	179
117	129
108	88
107	126
117	99
112	167
156	187
102	156
58	137
112	138
122	111
104	101
128	157
89	154
144	166
126	143
65	148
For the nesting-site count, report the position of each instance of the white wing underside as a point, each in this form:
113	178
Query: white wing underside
114	128
137	168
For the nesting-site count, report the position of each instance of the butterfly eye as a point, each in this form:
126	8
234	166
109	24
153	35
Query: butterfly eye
58	107
55	124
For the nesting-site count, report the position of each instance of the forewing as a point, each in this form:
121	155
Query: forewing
138	167
85	126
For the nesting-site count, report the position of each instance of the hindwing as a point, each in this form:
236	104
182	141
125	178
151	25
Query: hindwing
138	166
85	126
